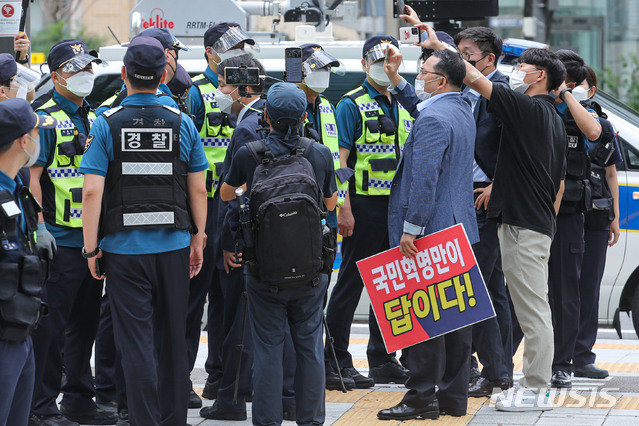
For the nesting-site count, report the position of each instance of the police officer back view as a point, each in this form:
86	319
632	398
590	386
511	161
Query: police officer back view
72	294
373	127
144	169
567	249
21	267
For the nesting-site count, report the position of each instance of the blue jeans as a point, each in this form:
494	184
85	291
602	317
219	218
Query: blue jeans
301	307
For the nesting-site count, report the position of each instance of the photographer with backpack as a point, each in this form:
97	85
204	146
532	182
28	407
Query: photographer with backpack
290	181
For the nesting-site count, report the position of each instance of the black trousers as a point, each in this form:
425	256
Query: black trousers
73	297
207	282
149	298
564	270
592	270
370	236
443	362
492	339
109	376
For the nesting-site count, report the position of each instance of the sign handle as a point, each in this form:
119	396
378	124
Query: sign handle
23	21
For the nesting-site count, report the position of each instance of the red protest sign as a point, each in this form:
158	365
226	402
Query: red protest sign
439	291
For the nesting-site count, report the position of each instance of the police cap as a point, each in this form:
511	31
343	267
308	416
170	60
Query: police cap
375	41
17	119
166	39
144	58
71	56
8	67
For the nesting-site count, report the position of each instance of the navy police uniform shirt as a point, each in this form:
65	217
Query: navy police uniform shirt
96	161
65	237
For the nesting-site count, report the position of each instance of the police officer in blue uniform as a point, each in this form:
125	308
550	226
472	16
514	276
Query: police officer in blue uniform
72	294
567	249
221	41
301	307
108	372
362	220
144	177
601	229
172	47
21	266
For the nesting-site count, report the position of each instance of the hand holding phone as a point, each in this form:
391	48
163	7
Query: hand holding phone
293	64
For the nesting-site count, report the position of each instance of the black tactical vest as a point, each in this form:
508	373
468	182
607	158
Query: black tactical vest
146	183
22	271
577	197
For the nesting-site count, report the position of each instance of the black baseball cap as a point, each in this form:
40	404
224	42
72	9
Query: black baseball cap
17	119
166	39
233	35
144	58
285	101
378	40
8	67
71	55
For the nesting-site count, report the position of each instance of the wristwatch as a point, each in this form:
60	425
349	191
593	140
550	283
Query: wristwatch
90	254
561	94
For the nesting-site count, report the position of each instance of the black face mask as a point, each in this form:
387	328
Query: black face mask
474	63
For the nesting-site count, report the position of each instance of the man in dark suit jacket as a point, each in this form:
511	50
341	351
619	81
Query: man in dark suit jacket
431	191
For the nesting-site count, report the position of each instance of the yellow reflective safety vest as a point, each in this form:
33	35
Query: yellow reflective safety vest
215	133
380	145
327	130
61	182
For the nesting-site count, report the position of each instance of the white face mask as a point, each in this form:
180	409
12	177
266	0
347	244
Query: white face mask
419	89
33	156
580	93
224	101
376	72
80	84
517	80
318	81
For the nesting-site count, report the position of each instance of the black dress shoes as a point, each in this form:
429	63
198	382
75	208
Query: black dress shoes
454	412
216	413
483	387
591	371
98	416
333	383
404	412
210	388
561	379
194	400
361	382
391	372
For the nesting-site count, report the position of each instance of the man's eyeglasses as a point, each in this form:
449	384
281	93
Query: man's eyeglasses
466	55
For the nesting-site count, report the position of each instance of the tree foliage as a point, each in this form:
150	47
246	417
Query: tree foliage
623	85
59	30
